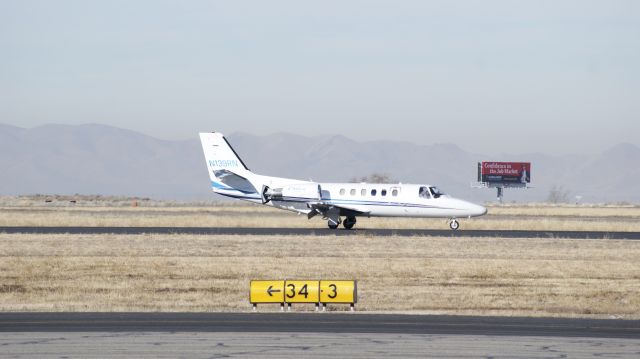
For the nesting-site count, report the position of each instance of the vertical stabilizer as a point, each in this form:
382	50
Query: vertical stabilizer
226	170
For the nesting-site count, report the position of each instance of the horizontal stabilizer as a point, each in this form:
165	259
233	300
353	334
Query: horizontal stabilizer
235	181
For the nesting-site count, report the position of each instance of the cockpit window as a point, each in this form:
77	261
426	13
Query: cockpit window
424	192
436	192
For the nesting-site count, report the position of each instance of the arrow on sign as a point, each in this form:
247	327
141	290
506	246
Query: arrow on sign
271	290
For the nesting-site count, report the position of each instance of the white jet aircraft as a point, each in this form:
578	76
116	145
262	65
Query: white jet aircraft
230	177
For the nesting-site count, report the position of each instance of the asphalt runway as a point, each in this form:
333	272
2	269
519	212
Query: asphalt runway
343	322
324	232
310	335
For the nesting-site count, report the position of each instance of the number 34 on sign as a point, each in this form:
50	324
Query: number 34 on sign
303	291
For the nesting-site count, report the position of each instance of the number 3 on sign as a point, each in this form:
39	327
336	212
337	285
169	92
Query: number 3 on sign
334	291
338	291
301	291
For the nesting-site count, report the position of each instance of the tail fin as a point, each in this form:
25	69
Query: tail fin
226	170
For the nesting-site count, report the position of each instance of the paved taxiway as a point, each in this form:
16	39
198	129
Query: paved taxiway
319	335
304	345
318	323
324	232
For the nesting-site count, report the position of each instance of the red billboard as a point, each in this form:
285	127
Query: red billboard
504	172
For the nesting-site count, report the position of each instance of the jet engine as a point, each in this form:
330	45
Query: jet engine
298	191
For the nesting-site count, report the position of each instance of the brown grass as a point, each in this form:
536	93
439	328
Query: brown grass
547	210
550	277
579	218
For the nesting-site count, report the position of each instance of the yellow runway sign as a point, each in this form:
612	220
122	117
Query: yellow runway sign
301	291
338	291
266	291
320	292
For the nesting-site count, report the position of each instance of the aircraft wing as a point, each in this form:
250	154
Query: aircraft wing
329	209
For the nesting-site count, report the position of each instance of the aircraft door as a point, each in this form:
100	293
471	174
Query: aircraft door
395	194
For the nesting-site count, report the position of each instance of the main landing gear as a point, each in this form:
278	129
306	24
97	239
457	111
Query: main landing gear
453	224
348	222
333	224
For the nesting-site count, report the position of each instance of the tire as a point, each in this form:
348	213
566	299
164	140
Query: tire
349	222
332	225
454	225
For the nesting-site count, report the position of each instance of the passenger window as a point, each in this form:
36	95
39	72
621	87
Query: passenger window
383	192
353	191
424	192
342	191
394	192
373	192
363	192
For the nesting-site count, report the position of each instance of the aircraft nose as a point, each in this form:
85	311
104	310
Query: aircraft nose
476	210
483	210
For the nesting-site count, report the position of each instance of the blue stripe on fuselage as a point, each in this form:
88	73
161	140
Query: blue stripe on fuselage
222	186
338	202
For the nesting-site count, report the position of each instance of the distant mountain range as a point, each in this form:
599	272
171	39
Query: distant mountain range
99	159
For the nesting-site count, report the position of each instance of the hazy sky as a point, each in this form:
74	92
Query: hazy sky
519	76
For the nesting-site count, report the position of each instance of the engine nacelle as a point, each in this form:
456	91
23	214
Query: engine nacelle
308	191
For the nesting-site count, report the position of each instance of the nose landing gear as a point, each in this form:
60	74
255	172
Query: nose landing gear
453	224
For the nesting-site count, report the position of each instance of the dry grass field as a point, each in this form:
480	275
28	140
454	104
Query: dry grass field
487	276
238	214
541	277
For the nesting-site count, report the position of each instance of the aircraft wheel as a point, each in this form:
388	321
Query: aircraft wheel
332	224
454	225
349	222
